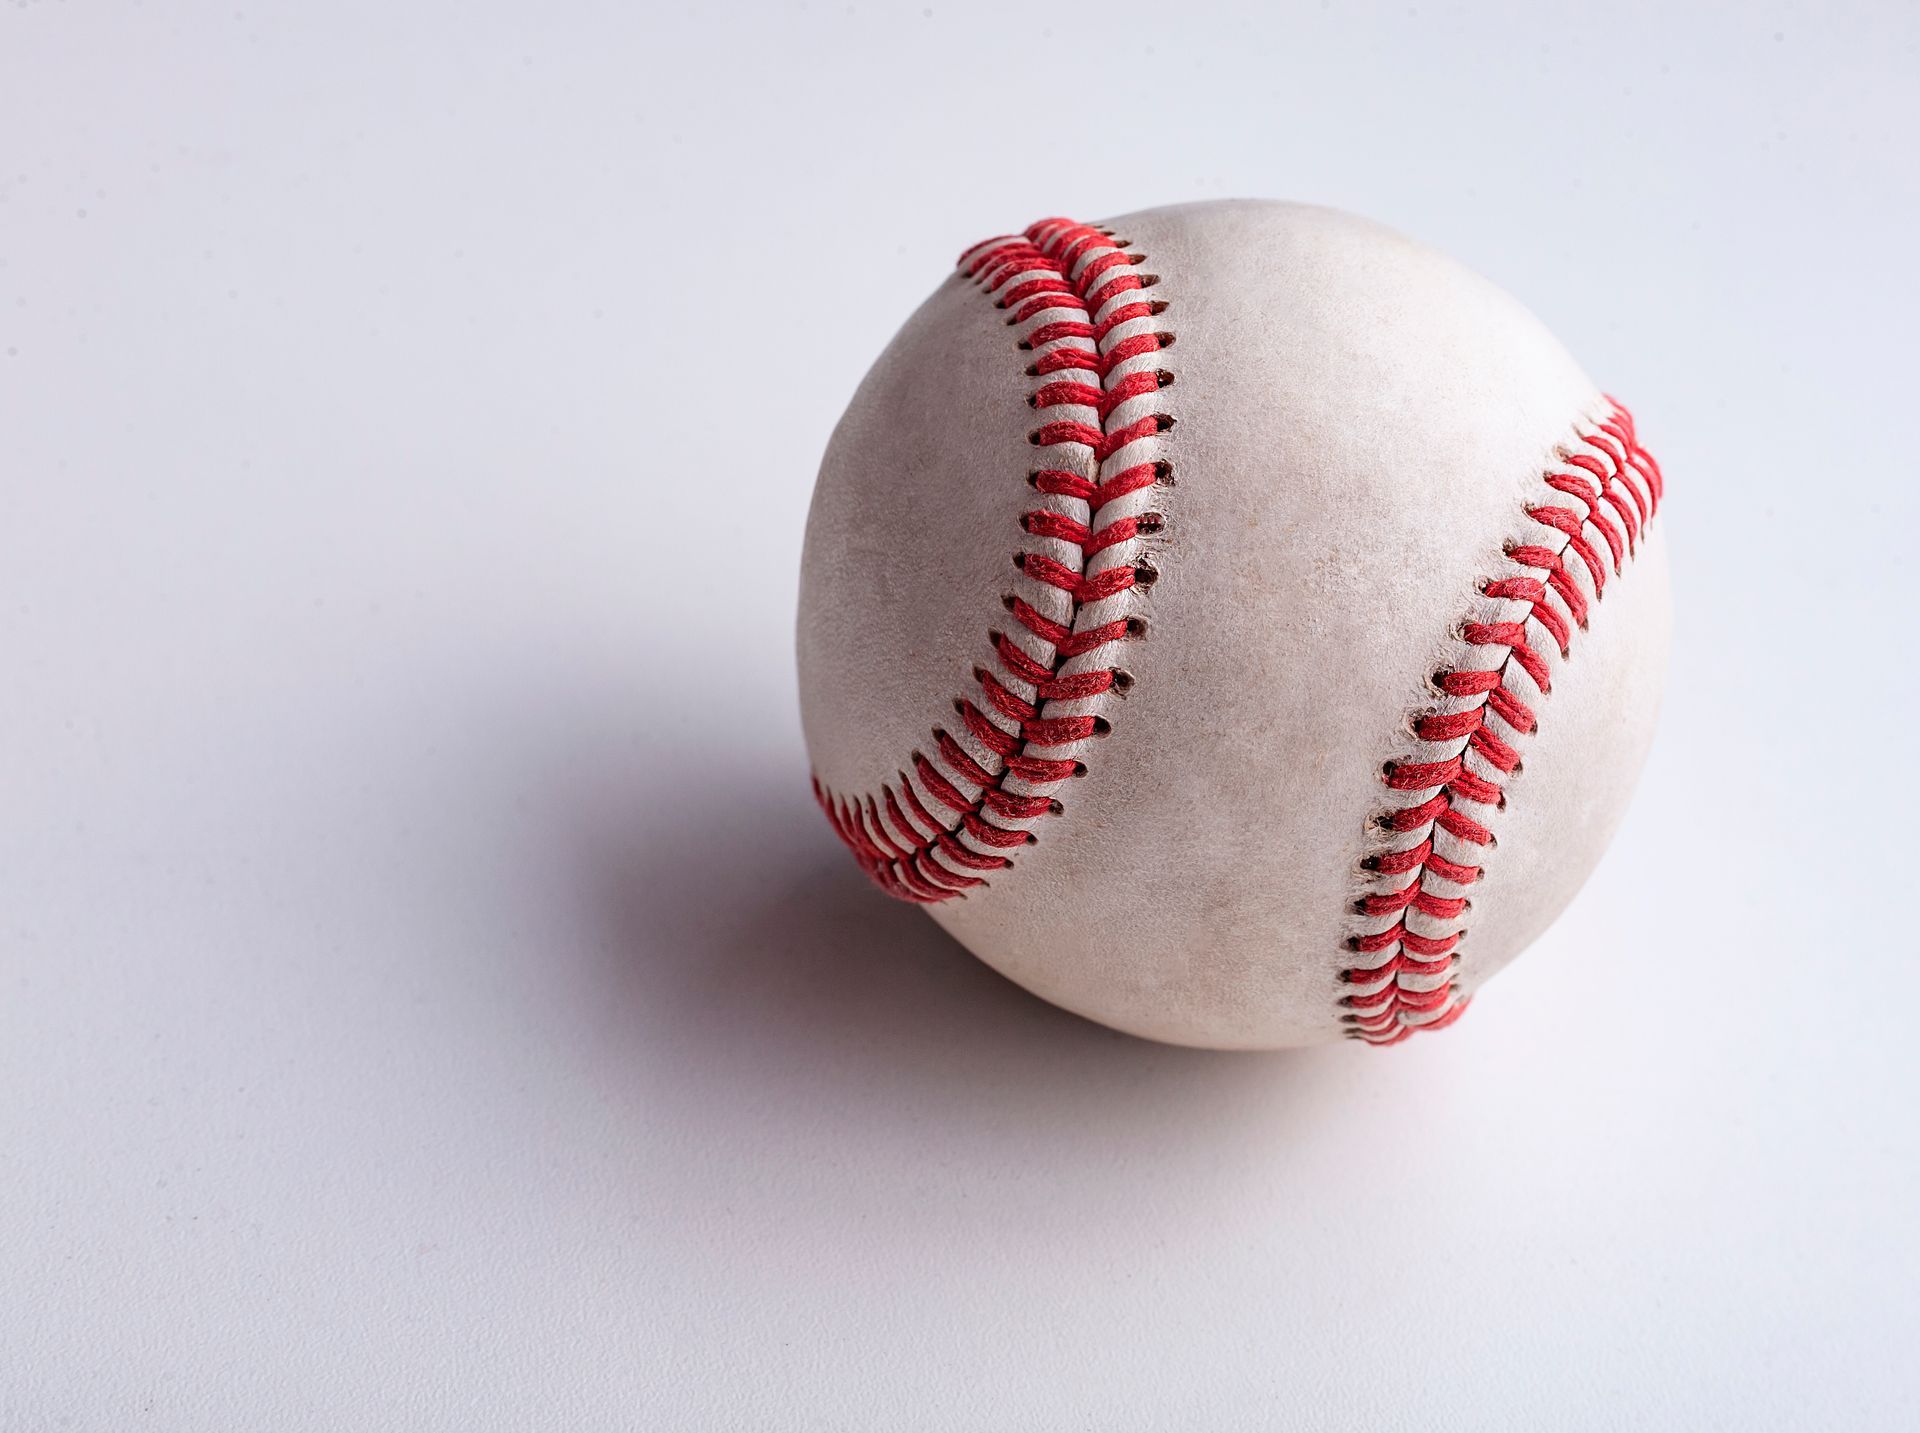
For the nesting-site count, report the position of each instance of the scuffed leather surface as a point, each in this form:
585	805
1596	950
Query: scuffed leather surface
1358	420
911	537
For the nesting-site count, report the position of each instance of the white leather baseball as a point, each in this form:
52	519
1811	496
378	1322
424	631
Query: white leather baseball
1236	623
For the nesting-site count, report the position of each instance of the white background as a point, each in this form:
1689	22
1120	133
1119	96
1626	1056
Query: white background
428	996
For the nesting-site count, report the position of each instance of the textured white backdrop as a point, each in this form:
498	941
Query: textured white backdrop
428	997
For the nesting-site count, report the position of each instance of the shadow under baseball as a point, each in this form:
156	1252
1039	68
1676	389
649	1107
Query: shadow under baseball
760	981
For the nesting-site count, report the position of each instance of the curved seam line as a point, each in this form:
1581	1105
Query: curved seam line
1603	545
1080	257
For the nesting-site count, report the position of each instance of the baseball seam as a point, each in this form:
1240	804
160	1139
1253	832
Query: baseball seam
1583	525
1074	291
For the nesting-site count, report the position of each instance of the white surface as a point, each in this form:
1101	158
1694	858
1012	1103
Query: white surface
427	995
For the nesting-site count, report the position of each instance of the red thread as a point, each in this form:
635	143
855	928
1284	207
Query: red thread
1081	285
1602	494
1615	487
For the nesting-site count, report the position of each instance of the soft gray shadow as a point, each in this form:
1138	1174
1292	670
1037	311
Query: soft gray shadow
756	967
788	1056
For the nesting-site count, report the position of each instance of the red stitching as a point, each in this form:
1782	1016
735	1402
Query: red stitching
1615	487
1083	285
1086	289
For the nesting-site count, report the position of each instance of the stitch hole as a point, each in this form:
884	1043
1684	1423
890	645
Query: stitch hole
1033	477
1166	339
1136	626
1352	943
1150	522
1102	727
1054	808
1163	472
1145	576
1032	840
1122	681
1162	377
1020	561
1159	306
1438	680
1164	421
1025	347
1079	768
1007	600
1147	281
1131	258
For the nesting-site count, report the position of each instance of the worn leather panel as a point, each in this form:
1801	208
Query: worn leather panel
1359	424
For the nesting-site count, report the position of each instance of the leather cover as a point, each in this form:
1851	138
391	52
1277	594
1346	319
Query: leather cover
1360	425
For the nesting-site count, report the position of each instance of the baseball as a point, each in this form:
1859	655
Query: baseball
1233	622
